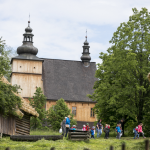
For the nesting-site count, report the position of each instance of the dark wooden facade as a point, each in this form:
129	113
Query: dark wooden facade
14	125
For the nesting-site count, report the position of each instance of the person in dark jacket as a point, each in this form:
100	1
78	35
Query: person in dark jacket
122	122
63	126
99	128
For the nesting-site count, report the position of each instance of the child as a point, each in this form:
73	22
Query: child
135	131
106	130
92	132
84	128
140	130
87	127
73	127
118	131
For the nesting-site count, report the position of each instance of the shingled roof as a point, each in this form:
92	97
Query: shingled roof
69	80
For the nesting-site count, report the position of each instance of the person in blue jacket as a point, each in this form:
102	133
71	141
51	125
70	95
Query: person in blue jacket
67	125
118	130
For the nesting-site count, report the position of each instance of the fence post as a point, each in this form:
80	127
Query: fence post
146	144
1	135
111	148
123	146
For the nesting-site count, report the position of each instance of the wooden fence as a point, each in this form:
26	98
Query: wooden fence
123	147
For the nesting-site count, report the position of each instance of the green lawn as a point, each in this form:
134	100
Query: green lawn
93	144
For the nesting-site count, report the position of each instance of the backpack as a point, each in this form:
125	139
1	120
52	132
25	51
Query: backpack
133	130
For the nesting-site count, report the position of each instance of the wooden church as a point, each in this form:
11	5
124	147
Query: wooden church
67	79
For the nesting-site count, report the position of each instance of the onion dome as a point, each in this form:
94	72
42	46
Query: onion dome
27	46
86	55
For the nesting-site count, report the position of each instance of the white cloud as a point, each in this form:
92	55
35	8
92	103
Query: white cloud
59	26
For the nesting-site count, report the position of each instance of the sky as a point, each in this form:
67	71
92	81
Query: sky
59	26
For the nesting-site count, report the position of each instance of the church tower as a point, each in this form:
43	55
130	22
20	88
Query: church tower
86	55
27	67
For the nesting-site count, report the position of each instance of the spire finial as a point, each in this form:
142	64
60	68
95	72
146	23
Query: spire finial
29	21
86	35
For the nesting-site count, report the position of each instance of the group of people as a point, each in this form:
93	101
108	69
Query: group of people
99	127
138	130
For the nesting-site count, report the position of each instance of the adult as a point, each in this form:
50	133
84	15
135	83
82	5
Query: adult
99	128
122	122
67	125
140	130
63	126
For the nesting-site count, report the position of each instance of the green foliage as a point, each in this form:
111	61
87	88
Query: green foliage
9	52
8	100
38	102
122	89
4	59
57	113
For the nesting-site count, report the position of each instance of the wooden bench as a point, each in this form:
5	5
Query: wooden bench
78	135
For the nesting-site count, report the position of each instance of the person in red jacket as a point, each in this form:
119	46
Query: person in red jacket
140	130
87	127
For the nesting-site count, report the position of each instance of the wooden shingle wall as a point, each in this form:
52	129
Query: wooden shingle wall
7	125
83	110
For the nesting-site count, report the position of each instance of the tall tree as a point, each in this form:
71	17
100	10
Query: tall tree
122	89
38	102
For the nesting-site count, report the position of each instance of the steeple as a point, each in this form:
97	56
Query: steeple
86	55
27	50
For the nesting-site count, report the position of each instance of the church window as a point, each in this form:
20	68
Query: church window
86	50
92	112
74	111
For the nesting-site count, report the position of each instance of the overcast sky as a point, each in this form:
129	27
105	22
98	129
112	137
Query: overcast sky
59	26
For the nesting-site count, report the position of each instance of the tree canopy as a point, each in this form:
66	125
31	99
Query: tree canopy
8	100
122	89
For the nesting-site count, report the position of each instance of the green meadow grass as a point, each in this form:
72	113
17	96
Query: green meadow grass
93	144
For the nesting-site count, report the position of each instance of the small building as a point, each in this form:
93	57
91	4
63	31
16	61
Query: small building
68	79
13	125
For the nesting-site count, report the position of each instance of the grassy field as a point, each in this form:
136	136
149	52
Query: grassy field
93	144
